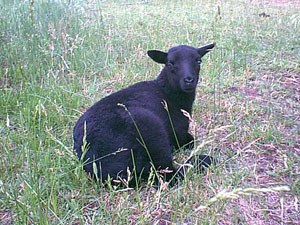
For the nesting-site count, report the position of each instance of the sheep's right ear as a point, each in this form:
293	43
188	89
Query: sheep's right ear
158	56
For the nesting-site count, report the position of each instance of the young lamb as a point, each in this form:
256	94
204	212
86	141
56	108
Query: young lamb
139	127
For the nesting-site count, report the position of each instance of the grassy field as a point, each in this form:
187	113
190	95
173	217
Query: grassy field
59	57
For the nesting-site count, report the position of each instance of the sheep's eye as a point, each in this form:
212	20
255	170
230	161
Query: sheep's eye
199	61
171	63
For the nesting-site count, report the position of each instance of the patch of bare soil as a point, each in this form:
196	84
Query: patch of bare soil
5	217
264	209
265	142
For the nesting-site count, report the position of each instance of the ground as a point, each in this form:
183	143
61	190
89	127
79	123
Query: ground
58	59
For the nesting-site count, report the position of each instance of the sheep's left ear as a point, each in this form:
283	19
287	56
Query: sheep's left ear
158	56
205	49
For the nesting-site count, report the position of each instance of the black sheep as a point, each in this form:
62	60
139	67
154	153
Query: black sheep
139	127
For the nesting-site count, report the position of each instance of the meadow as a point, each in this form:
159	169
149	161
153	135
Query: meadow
58	57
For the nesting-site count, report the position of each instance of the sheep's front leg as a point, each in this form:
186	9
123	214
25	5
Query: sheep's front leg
200	162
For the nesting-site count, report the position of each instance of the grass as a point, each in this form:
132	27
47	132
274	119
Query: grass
59	57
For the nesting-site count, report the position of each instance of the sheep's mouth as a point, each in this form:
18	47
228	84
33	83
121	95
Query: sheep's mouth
189	89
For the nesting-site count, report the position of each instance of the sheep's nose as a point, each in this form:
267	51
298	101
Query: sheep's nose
189	80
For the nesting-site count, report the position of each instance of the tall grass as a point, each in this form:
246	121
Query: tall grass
59	57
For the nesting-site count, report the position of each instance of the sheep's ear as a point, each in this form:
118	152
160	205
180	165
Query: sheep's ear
158	56
205	49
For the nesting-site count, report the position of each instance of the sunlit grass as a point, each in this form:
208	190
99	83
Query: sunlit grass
59	57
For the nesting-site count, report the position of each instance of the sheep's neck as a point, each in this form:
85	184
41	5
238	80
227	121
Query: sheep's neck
181	99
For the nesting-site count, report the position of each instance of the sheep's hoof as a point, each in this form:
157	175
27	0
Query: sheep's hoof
202	162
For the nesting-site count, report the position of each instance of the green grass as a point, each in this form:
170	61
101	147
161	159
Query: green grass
59	57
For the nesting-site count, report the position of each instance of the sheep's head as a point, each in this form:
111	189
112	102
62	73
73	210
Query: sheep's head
182	65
